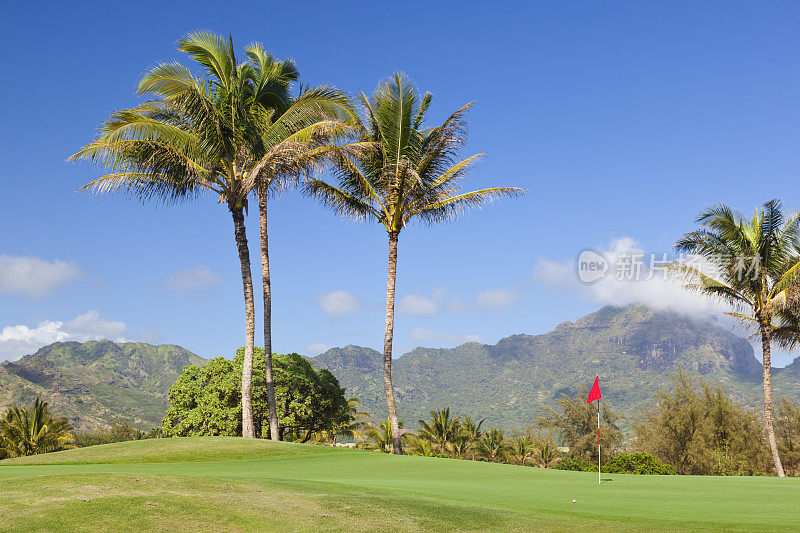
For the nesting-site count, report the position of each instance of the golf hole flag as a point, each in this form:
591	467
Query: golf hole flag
595	394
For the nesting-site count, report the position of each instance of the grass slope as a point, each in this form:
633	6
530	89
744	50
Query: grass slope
235	484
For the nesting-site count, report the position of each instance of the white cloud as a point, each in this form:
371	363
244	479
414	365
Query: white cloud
656	292
34	276
150	336
338	304
317	348
497	299
192	279
428	335
420	305
19	340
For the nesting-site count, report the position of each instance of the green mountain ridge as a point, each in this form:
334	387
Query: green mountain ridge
633	349
509	383
98	382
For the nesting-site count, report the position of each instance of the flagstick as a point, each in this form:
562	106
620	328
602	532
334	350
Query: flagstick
598	442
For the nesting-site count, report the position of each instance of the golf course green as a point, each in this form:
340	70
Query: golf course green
224	484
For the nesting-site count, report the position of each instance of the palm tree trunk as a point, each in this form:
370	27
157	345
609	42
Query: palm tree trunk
266	283
387	345
250	328
766	335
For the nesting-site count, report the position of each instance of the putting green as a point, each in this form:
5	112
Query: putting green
219	483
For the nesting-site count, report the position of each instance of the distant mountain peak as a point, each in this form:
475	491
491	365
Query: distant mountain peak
96	382
633	348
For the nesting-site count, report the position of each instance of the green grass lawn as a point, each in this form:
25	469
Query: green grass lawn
219	483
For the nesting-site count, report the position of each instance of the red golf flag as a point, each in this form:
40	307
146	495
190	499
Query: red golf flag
595	392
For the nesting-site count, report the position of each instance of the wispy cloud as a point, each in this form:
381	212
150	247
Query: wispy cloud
497	299
33	276
192	279
654	291
317	348
421	305
429	335
19	340
339	304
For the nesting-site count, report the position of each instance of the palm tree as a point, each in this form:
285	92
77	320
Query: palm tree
472	432
212	135
397	173
380	436
755	269
442	431
24	432
422	447
545	451
493	446
522	449
294	136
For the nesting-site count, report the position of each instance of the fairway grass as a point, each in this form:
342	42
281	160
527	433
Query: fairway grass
230	484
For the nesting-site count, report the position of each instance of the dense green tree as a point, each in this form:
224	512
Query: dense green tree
575	424
206	400
787	430
32	431
216	134
752	265
696	428
399	172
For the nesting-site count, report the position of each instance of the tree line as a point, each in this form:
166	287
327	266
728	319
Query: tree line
237	132
693	428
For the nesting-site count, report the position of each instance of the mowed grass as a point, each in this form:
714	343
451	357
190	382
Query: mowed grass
228	484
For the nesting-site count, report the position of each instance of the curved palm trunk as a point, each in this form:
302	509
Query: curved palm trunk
250	328
387	345
766	335
267	287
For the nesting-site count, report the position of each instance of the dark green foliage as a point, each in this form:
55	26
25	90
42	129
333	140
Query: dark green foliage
120	431
638	463
787	430
207	400
577	464
575	424
699	430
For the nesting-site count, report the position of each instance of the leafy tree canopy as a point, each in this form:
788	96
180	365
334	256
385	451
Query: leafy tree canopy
699	430
207	400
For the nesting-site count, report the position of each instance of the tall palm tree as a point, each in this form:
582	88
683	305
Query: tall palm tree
29	432
294	136
755	269
442	431
401	172
210	135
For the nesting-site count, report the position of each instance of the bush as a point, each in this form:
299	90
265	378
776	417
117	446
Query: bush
638	463
573	463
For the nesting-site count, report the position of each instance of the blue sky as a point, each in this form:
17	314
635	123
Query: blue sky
622	119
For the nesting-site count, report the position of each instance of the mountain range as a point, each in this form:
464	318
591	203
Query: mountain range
98	382
633	349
